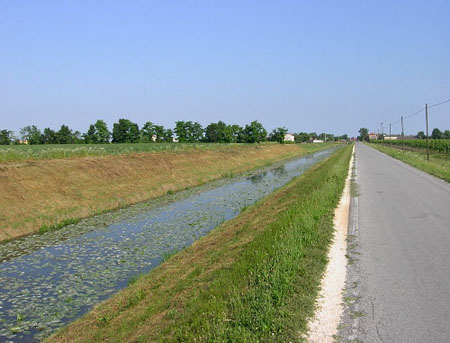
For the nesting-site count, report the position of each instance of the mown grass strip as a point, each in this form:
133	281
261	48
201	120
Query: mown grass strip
438	165
252	279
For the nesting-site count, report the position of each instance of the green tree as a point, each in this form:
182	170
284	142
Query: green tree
363	134
436	134
31	134
313	135
188	131
64	135
301	137
6	137
49	136
181	130
163	135
125	131
196	133
102	133
89	136
97	133
421	135
147	132
77	137
235	132
218	133
167	135
446	134
212	133
277	135
254	133
326	137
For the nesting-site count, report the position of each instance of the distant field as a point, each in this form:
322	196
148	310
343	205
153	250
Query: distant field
16	153
441	146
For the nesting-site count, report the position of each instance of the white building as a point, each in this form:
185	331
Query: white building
390	138
289	137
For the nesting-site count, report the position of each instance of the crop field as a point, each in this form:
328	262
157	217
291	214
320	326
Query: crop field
441	146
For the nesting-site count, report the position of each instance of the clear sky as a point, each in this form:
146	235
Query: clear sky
324	66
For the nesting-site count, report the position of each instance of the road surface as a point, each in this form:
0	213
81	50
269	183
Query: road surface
398	282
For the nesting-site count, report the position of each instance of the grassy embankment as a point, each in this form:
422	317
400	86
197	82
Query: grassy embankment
16	153
252	279
44	194
438	165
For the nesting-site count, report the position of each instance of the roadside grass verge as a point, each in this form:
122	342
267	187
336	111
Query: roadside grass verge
438	165
44	195
252	279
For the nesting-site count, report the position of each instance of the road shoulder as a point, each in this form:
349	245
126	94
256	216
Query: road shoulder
324	326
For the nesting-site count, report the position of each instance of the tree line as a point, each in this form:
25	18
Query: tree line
435	134
126	131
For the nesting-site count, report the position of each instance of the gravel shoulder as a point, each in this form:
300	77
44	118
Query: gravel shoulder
324	326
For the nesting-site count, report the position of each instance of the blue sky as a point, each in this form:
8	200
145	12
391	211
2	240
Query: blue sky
324	66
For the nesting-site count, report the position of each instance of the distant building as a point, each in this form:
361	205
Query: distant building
317	141
398	137
390	138
373	136
289	137
174	140
154	138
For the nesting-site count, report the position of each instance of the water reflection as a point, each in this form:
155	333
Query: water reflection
257	178
280	171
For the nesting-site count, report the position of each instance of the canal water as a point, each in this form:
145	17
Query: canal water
49	280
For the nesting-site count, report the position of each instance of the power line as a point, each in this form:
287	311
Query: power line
414	114
420	111
439	103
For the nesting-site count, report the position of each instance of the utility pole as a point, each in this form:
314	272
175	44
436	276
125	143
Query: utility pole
428	143
390	132
403	143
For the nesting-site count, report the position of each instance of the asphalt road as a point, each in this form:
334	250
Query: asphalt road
398	283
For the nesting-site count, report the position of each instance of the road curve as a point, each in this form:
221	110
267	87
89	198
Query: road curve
403	260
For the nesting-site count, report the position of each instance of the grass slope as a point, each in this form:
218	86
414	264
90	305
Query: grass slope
17	153
252	279
47	194
438	165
